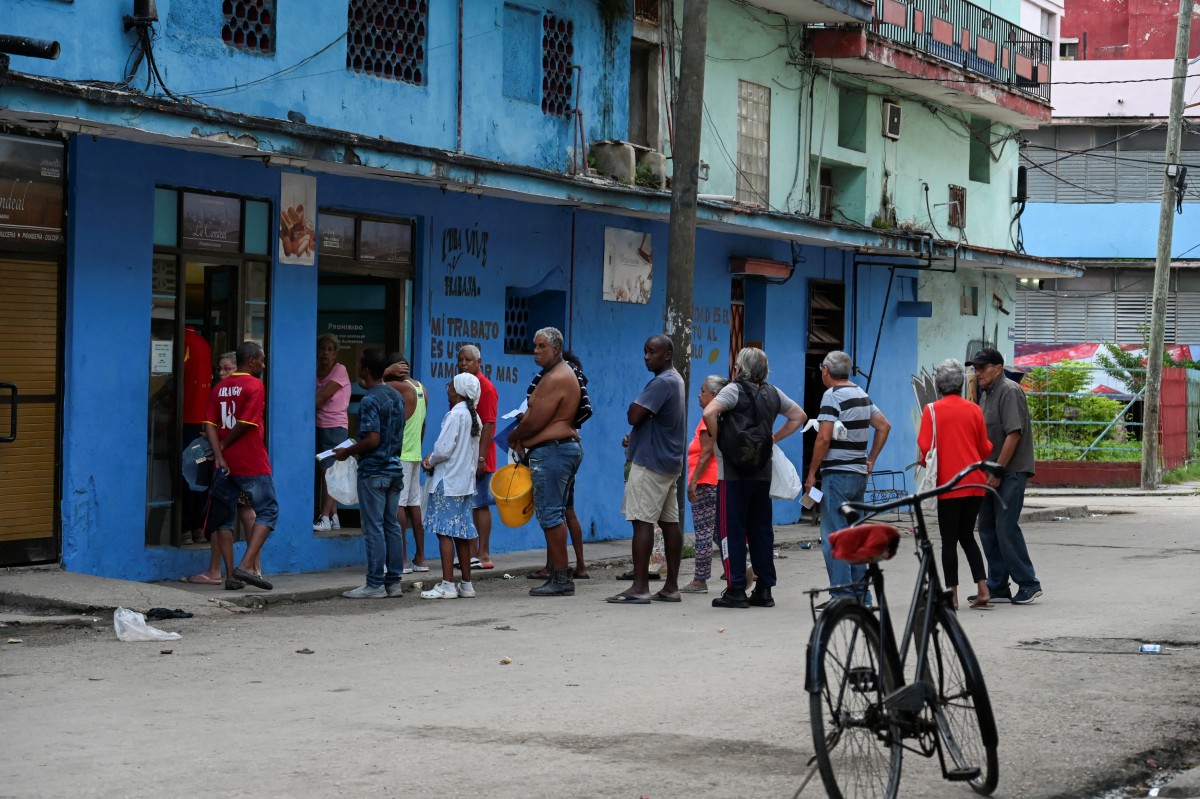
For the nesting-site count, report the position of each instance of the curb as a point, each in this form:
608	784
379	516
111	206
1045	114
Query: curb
1056	514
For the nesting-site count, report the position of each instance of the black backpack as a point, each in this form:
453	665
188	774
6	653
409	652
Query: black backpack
745	433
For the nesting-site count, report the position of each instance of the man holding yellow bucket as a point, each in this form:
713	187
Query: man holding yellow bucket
548	440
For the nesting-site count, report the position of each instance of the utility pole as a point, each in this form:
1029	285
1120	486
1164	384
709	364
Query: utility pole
685	185
1162	265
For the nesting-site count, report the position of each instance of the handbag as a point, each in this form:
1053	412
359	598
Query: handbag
929	480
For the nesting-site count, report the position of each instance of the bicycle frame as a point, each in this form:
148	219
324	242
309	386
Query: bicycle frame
906	700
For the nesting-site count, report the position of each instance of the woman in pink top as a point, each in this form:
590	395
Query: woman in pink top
962	439
702	491
333	422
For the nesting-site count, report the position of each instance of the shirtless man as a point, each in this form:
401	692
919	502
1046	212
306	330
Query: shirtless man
548	440
397	376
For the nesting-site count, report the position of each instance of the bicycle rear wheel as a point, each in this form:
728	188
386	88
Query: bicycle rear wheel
963	711
858	751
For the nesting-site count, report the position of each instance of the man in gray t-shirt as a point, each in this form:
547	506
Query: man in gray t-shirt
657	450
1006	414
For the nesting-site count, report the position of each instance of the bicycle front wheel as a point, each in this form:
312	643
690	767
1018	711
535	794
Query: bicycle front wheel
962	709
858	751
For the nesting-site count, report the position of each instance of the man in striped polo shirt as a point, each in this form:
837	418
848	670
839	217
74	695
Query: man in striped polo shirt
843	463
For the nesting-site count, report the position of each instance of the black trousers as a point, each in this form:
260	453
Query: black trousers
956	518
744	521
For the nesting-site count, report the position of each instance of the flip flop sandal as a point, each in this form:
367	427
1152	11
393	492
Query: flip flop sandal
234	585
417	568
540	574
659	596
254	579
476	563
626	599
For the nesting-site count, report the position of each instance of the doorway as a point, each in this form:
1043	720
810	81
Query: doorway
209	293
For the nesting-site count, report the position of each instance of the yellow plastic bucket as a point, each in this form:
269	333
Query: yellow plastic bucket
512	488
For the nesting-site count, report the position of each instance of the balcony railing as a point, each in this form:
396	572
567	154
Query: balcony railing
970	37
646	11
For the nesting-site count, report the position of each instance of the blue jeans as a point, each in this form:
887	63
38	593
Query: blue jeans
553	465
1002	539
378	496
224	494
836	488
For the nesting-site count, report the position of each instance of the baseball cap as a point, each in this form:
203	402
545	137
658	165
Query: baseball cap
987	357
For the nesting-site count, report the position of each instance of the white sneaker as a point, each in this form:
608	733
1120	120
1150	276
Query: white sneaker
442	590
322	525
335	523
466	590
365	591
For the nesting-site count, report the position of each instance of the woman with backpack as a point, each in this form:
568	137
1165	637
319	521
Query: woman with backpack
741	419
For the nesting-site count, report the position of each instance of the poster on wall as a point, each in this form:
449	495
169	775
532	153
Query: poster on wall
31	193
297	219
628	266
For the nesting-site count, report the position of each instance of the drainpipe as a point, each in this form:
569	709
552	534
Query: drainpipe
458	125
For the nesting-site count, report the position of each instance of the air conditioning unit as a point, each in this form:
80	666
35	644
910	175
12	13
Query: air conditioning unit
891	120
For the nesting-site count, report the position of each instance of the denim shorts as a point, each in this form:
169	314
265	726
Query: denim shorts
483	491
553	465
224	493
329	438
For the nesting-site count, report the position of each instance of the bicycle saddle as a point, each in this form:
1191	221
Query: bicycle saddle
869	543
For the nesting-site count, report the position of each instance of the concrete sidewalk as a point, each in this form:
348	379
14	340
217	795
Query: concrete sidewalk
30	595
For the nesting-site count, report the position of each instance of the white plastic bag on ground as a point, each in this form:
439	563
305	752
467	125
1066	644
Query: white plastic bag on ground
131	626
342	481
785	480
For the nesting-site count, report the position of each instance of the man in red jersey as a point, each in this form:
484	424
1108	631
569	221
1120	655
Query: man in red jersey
197	382
234	427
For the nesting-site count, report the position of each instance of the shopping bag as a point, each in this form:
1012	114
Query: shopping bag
785	480
341	480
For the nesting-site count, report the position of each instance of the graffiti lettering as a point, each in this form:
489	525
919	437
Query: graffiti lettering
462	286
457	242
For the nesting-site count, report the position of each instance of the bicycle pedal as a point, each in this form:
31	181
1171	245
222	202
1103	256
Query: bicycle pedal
962	774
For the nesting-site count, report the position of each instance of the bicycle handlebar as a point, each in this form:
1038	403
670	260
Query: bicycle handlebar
853	511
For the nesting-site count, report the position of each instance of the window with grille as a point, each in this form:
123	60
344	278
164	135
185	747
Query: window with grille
387	39
753	143
558	48
958	207
249	25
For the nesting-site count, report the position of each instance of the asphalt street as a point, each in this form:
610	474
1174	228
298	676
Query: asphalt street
406	697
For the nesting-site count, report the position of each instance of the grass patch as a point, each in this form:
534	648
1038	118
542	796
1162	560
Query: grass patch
1184	474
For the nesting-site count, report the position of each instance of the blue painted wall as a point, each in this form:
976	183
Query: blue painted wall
307	72
487	245
1098	230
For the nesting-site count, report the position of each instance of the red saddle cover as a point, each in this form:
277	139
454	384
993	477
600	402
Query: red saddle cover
869	543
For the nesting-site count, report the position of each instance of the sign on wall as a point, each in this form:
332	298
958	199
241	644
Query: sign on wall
628	266
211	223
297	219
31	193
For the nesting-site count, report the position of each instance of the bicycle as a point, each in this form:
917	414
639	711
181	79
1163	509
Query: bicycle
864	712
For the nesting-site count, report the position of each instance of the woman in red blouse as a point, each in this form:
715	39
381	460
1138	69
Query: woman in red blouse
961	440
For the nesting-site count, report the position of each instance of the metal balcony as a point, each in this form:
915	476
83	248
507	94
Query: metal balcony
951	51
970	37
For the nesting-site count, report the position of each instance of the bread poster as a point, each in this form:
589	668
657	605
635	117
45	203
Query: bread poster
297	219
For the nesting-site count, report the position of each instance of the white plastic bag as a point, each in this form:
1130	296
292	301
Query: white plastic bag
342	481
785	480
131	626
